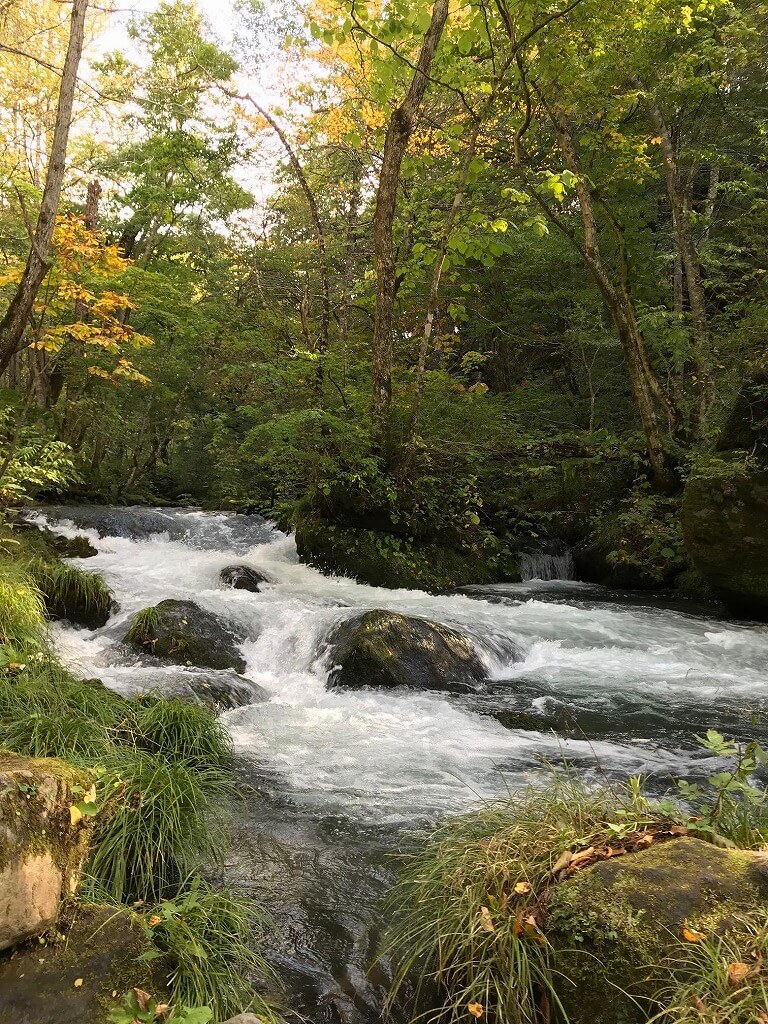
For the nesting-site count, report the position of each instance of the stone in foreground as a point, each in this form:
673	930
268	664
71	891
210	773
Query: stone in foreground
41	850
385	650
243	577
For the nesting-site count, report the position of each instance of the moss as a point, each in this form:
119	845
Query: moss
40	822
100	945
390	560
184	633
615	925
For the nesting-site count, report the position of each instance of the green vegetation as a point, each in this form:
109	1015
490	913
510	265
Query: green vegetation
498	914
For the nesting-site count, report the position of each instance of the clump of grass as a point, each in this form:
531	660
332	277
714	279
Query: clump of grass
143	626
22	613
467	905
723	980
69	592
205	937
177	729
160	820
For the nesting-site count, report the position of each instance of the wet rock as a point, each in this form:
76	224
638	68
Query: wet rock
103	950
385	649
41	850
221	691
615	924
182	632
243	577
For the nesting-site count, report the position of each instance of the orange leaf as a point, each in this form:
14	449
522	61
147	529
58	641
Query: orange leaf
690	935
78	982
476	1009
737	974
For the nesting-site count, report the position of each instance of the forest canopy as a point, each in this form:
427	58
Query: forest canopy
454	275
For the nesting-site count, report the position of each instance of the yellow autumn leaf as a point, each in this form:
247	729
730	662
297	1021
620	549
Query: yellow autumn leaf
691	935
476	1009
78	982
75	815
521	888
737	974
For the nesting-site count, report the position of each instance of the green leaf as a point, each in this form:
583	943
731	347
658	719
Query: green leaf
466	42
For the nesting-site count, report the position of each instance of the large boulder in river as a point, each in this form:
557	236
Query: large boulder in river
42	849
243	577
183	632
616	924
725	507
385	649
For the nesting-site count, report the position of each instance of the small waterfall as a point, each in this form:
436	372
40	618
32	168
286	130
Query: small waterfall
553	561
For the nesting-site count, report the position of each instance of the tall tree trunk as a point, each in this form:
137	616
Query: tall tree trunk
396	141
350	256
17	316
643	381
688	257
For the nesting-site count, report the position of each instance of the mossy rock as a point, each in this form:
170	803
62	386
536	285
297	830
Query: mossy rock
389	560
725	524
42	849
185	633
385	650
614	925
99	946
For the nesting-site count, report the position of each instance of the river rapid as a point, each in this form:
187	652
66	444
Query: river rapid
334	782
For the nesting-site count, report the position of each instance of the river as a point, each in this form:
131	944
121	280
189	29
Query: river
335	781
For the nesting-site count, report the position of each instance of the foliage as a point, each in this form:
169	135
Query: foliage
139	1007
65	586
204	937
176	729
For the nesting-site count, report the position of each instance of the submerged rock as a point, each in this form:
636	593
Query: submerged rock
385	649
41	849
182	632
243	577
220	691
615	924
102	951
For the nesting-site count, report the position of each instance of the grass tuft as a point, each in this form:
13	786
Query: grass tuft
178	729
723	980
205	935
466	905
160	821
70	592
143	626
22	613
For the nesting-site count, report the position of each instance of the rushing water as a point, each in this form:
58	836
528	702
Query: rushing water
334	780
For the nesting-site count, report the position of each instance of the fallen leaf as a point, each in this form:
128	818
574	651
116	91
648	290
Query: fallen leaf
78	982
486	921
562	862
690	935
75	814
476	1009
143	999
155	920
582	859
737	974
699	1004
762	1016
521	888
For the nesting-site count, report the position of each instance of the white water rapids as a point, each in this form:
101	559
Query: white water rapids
610	682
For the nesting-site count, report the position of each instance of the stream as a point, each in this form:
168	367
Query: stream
335	781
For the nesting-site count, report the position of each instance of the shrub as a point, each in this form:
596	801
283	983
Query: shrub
204	937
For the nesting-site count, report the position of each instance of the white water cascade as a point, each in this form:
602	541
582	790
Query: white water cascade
610	682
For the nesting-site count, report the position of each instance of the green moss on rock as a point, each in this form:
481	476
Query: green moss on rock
614	925
390	560
182	632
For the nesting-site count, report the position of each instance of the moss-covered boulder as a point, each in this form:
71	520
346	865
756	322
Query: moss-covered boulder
185	633
392	560
243	577
615	924
725	506
80	973
385	650
42	847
